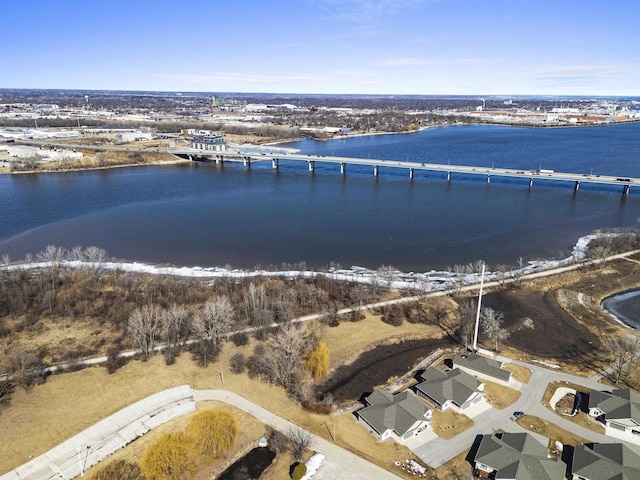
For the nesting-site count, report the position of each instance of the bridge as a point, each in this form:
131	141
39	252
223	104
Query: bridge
248	157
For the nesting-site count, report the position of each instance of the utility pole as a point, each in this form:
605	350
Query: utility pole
222	377
475	335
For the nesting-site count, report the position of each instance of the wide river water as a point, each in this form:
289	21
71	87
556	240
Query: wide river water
203	214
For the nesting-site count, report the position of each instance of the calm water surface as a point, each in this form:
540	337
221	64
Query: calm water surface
625	307
203	214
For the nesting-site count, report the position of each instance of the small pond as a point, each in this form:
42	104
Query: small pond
250	466
625	307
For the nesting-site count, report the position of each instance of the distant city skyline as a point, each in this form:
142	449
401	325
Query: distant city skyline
419	47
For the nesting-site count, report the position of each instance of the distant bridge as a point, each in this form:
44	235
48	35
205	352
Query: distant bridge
249	157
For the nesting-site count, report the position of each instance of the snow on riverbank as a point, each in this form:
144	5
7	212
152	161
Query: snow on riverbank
425	282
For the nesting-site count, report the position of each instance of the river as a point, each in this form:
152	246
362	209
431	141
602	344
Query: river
203	214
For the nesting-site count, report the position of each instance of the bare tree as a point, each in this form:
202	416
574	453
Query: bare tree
256	308
95	254
52	255
176	324
491	321
623	350
388	275
144	326
467	318
286	351
76	254
212	322
299	441
214	319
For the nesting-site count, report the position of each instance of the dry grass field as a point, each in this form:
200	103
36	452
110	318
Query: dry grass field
448	424
551	431
499	396
45	415
519	373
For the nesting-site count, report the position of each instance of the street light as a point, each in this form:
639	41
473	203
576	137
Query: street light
83	464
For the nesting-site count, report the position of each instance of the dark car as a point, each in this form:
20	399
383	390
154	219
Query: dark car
517	415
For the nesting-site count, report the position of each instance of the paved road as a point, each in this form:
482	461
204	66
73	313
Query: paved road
357	467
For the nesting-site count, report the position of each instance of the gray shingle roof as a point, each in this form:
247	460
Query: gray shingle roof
484	365
518	456
622	403
454	385
606	461
396	412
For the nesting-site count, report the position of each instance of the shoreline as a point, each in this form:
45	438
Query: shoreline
431	281
342	137
177	161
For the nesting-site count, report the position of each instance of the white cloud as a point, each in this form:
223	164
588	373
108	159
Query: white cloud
415	61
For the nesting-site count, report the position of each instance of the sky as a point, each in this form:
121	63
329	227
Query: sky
421	47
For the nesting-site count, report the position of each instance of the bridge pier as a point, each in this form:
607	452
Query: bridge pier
312	166
411	173
246	162
626	189
375	170
448	176
576	187
275	163
530	182
488	179
343	168
219	159
190	157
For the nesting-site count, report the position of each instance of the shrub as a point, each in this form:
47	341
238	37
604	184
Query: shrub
237	363
299	471
240	339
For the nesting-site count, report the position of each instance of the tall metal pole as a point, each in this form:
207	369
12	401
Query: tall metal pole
475	335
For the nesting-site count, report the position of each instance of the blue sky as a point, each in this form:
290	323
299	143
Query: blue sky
426	47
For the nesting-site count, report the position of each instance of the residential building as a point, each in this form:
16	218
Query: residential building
619	411
605	461
483	368
397	416
516	456
454	389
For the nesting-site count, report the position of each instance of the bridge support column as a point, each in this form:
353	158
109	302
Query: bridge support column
375	170
343	168
625	190
576	187
190	157
530	182
448	176
488	179
275	163
246	161
312	165
219	159
411	173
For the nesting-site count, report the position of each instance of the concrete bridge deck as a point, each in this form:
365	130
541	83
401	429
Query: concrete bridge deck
248	157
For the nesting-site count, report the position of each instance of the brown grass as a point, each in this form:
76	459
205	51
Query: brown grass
550	430
448	424
519	373
499	396
347	341
46	415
